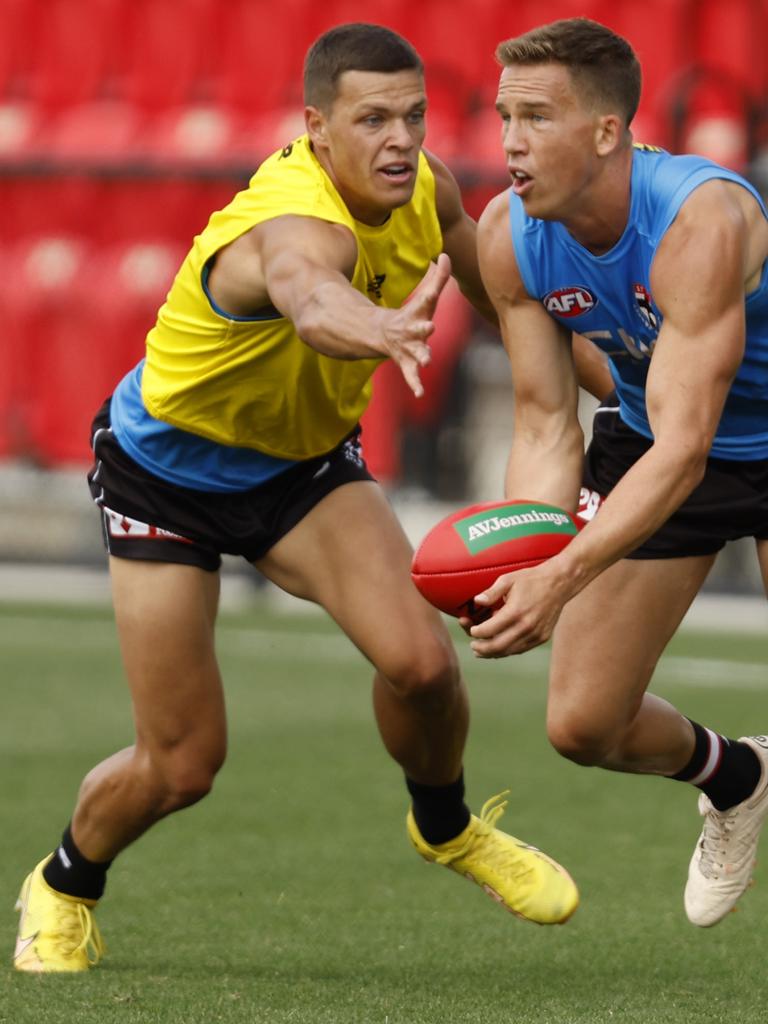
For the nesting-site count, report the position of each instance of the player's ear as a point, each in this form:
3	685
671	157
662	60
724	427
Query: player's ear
315	121
608	134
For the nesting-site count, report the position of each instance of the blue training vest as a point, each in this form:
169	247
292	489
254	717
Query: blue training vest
180	457
608	298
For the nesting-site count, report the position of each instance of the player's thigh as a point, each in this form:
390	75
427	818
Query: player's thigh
351	556
611	635
165	615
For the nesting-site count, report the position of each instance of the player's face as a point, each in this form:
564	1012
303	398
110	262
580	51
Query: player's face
369	141
550	140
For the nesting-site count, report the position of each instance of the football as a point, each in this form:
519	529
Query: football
468	550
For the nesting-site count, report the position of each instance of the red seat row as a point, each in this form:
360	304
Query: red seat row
74	321
199	80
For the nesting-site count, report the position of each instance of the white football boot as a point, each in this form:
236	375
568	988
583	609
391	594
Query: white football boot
722	863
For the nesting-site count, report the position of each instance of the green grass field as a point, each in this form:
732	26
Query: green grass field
292	895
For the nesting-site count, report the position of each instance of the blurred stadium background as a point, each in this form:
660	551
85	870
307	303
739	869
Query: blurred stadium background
124	123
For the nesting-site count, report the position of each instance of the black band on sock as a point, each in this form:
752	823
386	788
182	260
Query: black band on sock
699	757
69	872
734	775
440	811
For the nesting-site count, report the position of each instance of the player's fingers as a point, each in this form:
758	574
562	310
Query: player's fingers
419	330
496	592
423	355
514	640
428	291
410	371
442	269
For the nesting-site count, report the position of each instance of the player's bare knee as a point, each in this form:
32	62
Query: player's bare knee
580	741
186	784
184	775
426	680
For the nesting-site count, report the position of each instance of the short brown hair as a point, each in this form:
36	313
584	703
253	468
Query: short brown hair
357	46
602	63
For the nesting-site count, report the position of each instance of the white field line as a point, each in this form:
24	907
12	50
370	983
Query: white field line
19	630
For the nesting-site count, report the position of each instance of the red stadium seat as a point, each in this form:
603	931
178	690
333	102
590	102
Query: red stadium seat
103	132
93	335
20	127
197	135
74	50
134	208
53	56
260	48
48	205
14	59
81	315
661	33
456	41
258	137
127	285
731	38
168	52
236	114
19	117
42	282
394	14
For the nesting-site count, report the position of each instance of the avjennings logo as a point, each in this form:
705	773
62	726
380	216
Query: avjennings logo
484	530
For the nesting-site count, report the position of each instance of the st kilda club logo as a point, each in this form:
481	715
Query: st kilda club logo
644	307
571	301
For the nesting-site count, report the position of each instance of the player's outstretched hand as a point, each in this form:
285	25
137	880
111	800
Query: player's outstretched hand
531	602
407	330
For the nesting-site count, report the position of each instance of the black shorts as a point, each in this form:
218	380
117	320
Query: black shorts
147	518
730	502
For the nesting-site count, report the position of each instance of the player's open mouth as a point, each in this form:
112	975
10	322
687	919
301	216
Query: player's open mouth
521	182
397	172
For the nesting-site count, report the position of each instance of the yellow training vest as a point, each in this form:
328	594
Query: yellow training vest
254	383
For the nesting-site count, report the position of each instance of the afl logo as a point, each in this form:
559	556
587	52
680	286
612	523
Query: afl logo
569	302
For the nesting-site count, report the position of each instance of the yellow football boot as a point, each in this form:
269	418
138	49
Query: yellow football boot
518	876
57	933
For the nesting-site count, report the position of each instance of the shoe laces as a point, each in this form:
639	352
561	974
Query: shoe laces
76	930
491	811
715	839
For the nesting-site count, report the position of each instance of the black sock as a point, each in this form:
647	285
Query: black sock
69	872
726	770
440	811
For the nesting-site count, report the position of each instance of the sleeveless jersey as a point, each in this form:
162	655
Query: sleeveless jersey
251	382
608	298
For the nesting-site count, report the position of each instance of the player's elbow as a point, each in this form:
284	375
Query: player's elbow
687	459
546	434
308	321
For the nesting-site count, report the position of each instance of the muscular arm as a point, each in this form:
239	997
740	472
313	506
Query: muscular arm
303	267
547	450
698	281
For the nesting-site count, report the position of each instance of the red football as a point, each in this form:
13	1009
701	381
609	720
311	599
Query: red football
468	550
